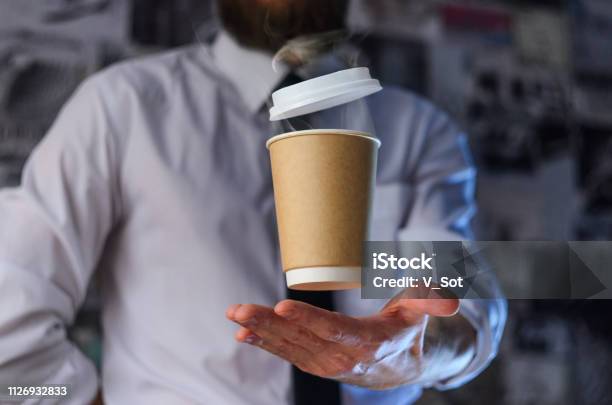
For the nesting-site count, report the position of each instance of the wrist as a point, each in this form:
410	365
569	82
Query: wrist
449	346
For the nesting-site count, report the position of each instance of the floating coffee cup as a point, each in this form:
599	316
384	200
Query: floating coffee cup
324	178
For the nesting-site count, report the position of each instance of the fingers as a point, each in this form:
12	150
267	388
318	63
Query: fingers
273	329
243	335
285	349
290	353
329	326
262	328
438	307
414	309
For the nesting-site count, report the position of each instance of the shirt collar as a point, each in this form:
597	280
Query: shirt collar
249	70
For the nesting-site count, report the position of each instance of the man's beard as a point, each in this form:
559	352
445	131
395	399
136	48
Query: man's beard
269	24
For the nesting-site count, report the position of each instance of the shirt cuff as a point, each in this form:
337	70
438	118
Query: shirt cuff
488	335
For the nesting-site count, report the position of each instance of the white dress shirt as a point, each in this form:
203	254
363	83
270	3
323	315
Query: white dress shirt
156	176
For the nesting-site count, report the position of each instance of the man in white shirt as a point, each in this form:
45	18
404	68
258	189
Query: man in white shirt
155	176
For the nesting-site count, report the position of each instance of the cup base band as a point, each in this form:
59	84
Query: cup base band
324	278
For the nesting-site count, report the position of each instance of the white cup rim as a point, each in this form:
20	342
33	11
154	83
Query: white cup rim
346	132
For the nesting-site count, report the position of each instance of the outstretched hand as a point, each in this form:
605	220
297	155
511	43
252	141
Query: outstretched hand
380	351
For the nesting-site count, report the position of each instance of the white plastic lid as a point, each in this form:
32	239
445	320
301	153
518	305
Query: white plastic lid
322	93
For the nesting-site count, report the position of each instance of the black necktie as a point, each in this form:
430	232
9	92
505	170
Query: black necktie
307	388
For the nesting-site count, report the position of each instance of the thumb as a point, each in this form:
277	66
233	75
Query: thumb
411	307
435	307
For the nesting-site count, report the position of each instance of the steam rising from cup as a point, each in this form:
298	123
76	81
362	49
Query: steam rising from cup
304	49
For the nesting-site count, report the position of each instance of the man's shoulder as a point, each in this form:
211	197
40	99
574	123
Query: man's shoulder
154	74
408	103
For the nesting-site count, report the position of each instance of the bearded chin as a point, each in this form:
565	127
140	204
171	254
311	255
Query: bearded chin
269	24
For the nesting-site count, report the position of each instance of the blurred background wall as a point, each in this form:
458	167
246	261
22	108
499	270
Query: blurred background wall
530	81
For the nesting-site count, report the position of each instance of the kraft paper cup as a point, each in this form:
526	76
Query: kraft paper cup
323	185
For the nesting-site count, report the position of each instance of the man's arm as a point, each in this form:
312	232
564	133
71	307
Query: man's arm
53	229
442	182
442	210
